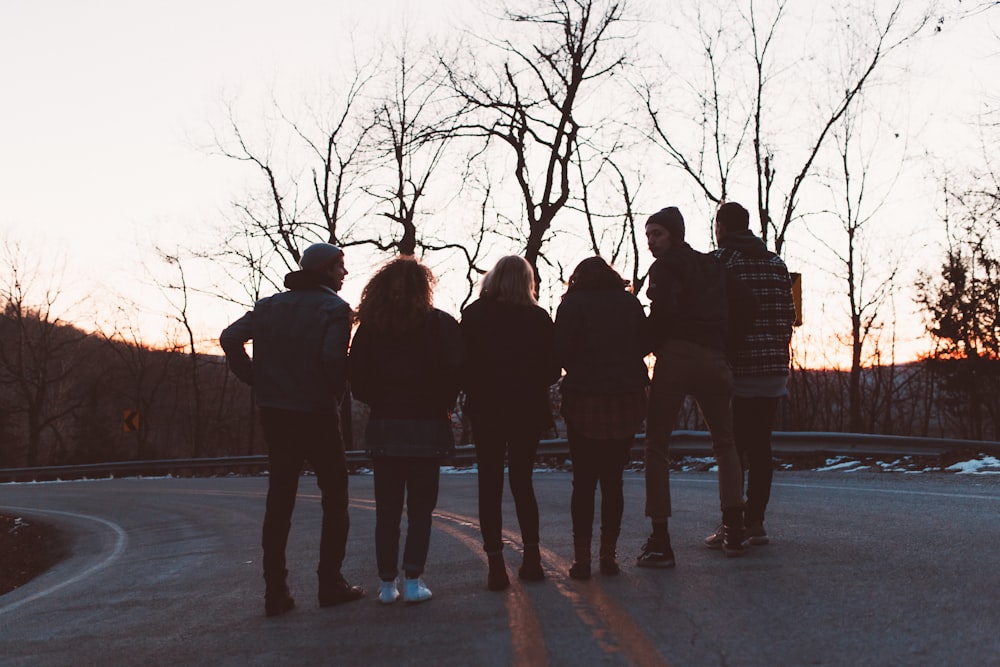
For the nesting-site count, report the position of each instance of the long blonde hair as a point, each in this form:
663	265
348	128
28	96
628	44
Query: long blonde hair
511	280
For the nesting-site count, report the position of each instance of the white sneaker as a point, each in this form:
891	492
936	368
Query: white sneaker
387	592
414	590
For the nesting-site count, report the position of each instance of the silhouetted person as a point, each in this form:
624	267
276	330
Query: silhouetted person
405	363
298	374
759	361
601	340
690	300
508	339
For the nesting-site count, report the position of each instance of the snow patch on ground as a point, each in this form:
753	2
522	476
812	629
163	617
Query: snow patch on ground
983	465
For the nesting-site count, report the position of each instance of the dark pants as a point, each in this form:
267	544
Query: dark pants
597	462
684	368
519	446
753	419
292	439
415	481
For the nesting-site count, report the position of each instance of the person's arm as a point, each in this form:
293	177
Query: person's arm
335	342
359	367
743	308
567	327
453	359
549	365
787	315
233	340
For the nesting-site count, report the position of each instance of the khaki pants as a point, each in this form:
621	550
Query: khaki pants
686	369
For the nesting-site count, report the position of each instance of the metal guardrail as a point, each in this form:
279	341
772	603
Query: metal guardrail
682	443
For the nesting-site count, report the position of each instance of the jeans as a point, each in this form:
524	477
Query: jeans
684	368
597	462
415	481
753	419
519	447
292	439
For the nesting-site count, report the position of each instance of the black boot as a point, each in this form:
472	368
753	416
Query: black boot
334	590
497	579
277	599
733	532
609	555
531	566
581	559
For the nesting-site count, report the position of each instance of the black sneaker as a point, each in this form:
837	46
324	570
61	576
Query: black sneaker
656	553
339	593
733	541
277	602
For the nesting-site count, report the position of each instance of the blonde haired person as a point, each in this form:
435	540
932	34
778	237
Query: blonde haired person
510	366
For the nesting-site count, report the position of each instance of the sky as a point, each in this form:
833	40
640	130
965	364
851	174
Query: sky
108	107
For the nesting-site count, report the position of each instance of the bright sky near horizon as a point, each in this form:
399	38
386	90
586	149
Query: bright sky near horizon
106	106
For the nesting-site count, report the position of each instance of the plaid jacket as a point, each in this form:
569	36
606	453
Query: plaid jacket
764	350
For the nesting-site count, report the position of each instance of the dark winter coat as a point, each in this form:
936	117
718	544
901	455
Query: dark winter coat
601	338
693	297
510	364
411	382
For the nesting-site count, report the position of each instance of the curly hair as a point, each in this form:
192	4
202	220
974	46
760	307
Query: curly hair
594	274
398	297
511	280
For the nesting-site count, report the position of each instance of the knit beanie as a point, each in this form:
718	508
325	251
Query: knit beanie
669	218
317	256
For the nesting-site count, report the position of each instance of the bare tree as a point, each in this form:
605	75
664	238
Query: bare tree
860	194
38	350
295	208
529	102
412	132
745	102
179	293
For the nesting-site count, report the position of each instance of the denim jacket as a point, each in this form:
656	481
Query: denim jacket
300	342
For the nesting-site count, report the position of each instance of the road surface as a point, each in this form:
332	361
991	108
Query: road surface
863	569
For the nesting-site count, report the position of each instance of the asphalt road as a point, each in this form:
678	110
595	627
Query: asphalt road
863	569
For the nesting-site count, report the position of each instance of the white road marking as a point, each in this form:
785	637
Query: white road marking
121	541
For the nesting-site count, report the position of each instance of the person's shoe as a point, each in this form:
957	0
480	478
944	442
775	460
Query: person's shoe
714	541
497	579
609	566
338	593
388	591
580	570
531	566
278	602
755	534
656	553
732	533
414	591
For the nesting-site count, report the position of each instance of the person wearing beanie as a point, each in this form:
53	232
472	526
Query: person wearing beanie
760	359
695	306
298	374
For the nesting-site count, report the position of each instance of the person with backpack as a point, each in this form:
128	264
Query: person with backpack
696	310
